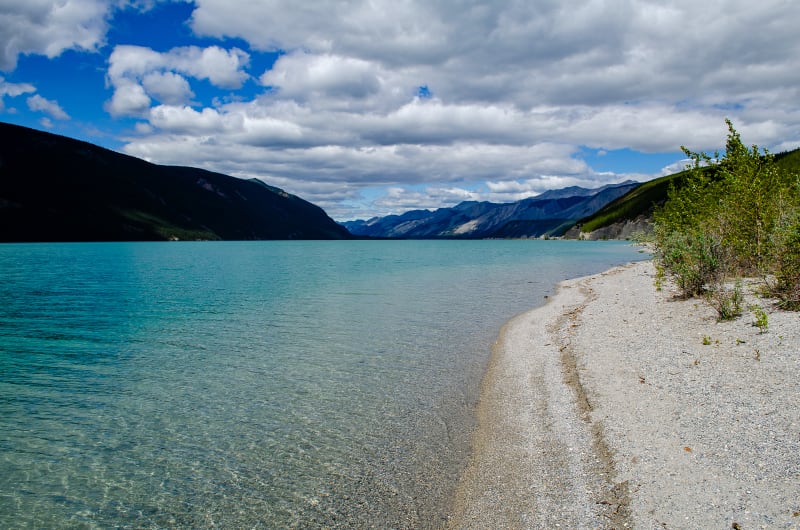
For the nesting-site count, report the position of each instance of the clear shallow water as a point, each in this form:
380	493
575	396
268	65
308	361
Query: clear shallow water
253	384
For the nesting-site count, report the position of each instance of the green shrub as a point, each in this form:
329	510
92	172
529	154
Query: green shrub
731	216
727	302
658	282
761	320
693	258
787	264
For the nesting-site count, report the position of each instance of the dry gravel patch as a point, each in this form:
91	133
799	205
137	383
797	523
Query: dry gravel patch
702	417
616	405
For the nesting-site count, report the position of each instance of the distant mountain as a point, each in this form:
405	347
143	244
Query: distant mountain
54	188
548	214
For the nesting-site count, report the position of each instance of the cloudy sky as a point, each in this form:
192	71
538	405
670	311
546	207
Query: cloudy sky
370	107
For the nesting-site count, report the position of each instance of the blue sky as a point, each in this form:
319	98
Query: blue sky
375	107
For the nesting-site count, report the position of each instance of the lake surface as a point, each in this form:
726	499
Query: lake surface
253	384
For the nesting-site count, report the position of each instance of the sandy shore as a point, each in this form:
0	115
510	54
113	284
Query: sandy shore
617	406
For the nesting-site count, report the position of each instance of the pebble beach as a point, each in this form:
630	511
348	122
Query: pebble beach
618	405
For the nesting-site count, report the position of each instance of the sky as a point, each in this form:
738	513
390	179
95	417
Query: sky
376	107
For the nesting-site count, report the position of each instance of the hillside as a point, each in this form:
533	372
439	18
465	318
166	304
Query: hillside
548	214
633	211
54	188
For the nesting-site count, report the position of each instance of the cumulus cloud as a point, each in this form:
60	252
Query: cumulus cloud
49	107
48	28
169	87
129	99
535	53
512	91
178	120
138	73
223	68
13	90
303	75
401	199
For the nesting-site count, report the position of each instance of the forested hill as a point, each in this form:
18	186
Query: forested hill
54	188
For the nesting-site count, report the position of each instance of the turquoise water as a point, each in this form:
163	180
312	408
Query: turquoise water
253	384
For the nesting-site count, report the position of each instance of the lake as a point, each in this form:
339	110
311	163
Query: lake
254	384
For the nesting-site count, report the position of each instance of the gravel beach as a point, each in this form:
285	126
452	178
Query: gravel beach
616	405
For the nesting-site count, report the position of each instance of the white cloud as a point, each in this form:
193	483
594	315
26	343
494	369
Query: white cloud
138	74
223	68
516	88
675	167
399	200
168	87
302	75
52	108
128	61
515	190
48	28
129	99
179	120
535	53
14	89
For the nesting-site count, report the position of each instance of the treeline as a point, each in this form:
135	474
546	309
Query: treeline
735	215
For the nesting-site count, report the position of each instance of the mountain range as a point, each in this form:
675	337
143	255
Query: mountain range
54	188
551	213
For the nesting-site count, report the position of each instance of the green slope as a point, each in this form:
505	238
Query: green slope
642	200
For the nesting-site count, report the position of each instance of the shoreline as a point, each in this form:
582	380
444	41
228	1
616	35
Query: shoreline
605	409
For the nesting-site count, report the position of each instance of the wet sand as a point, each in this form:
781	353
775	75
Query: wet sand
606	409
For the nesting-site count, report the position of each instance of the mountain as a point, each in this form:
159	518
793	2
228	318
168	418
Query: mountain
548	214
54	188
630	213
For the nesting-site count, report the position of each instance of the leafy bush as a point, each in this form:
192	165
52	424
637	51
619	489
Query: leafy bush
787	263
733	215
692	258
728	303
761	319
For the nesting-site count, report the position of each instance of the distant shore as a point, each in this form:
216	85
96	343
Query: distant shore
616	406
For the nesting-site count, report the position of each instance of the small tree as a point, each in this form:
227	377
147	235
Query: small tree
686	248
750	200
